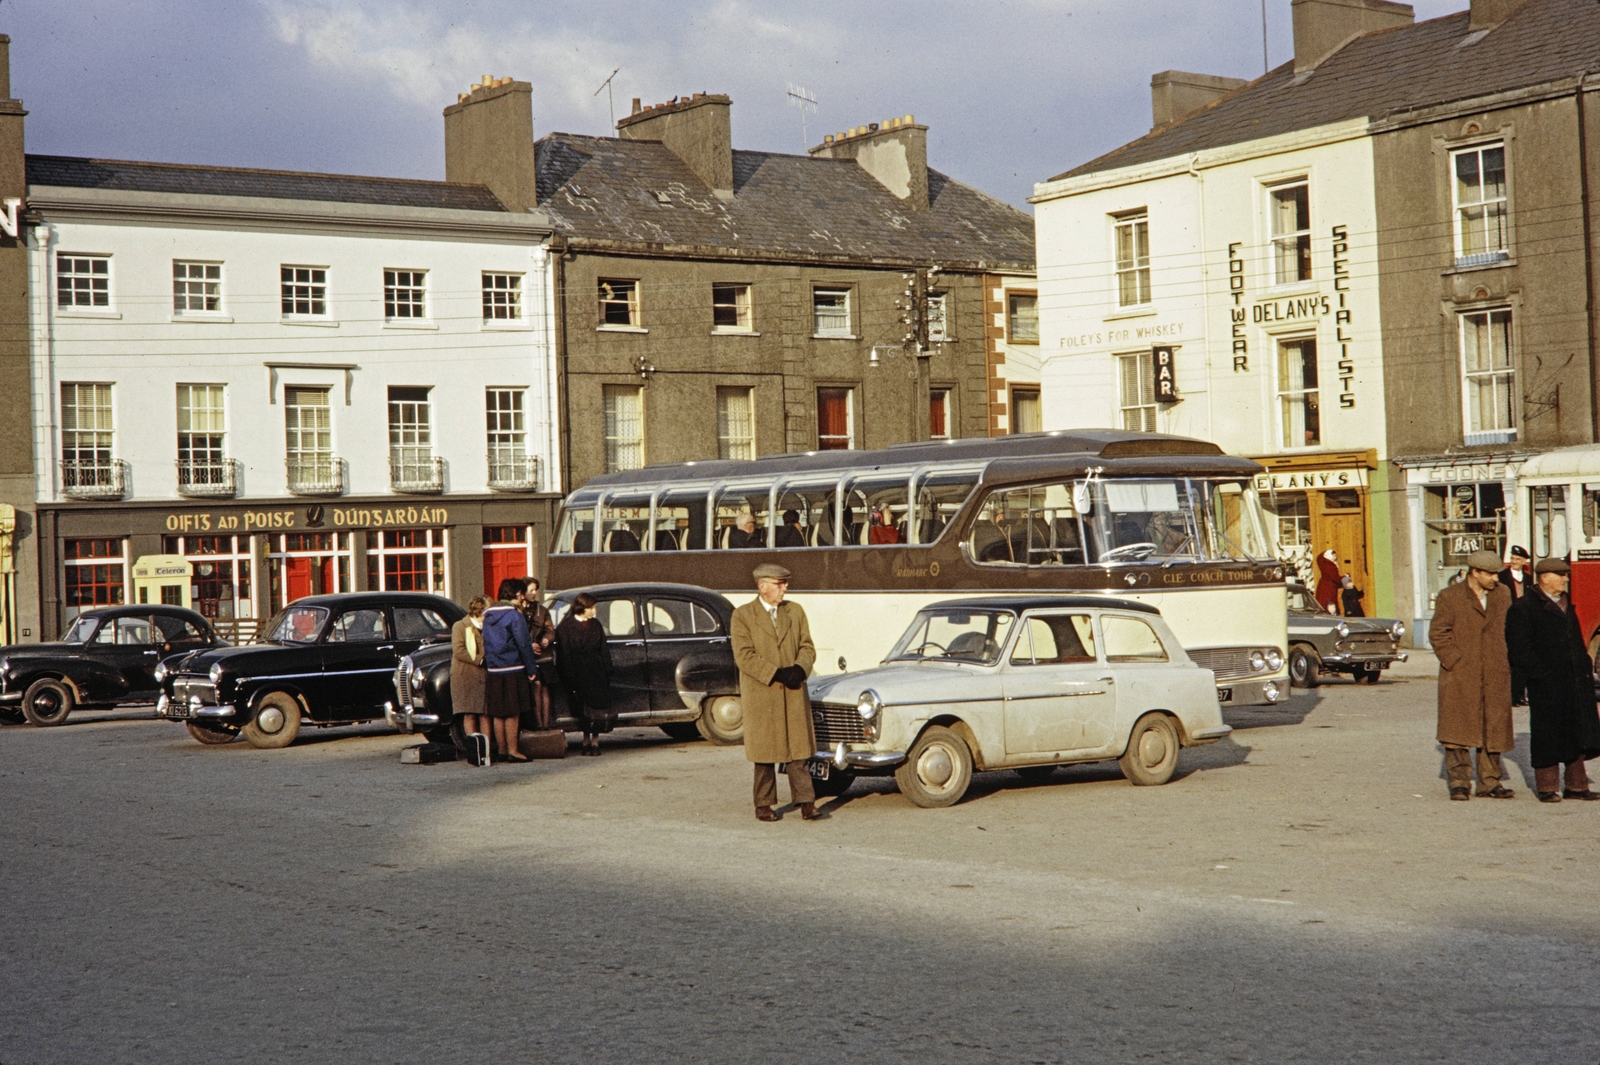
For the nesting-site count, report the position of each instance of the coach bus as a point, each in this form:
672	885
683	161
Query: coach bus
872	536
1557	515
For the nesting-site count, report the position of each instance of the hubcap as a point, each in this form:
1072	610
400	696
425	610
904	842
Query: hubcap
46	702
728	714
1152	748
936	767
270	719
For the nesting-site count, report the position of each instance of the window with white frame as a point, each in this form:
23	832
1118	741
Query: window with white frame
830	312
405	293
94	573
85	434
308	424
938	332
623	427
410	435
83	281
409	560
304	290
1136	377
1290	209
502	297
939	414
1022	317
619	303
1299	407
201	421
1480	204
1133	258
835	419
730	308
736	423
1489	370
508	435
196	287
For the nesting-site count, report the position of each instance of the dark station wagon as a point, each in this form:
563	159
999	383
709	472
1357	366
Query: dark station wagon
672	665
324	660
109	657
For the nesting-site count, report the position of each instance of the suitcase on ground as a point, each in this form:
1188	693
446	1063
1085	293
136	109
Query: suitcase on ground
428	754
542	743
478	749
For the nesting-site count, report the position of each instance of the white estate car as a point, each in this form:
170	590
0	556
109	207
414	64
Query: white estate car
1016	682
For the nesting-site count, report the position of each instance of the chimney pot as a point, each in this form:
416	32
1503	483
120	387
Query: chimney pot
636	107
1175	94
873	126
1487	14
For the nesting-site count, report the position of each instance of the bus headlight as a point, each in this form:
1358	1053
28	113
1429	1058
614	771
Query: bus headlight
1258	661
1274	659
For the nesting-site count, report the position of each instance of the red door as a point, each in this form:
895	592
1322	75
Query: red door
500	564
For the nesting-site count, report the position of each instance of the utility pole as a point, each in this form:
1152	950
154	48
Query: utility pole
913	304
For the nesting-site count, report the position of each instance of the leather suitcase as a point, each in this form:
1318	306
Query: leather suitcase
543	743
428	754
477	749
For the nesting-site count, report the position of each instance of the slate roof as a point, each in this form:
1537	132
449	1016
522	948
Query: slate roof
58	170
1383	74
783	206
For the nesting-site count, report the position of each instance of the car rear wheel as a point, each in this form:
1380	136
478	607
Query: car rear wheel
48	702
1152	753
682	731
276	722
937	769
721	721
211	735
1304	670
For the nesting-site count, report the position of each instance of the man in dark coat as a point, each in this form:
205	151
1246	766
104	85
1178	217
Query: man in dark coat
1468	633
1518	578
1547	647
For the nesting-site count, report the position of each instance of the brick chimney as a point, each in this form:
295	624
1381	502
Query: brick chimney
894	151
1487	14
488	140
1322	27
697	129
13	169
1175	94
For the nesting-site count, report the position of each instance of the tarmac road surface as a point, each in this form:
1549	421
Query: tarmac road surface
1304	892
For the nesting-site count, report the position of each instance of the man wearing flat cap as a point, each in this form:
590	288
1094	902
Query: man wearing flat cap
1468	633
773	649
1547	648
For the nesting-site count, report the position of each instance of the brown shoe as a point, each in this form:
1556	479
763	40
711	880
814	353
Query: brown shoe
1568	793
808	812
766	813
1459	794
1499	791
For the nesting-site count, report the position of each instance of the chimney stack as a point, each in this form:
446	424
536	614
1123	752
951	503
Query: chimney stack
1175	94
894	151
1487	14
13	167
697	129
488	140
1322	27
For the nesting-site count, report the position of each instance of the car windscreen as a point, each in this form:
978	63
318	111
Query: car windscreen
81	630
954	635
297	624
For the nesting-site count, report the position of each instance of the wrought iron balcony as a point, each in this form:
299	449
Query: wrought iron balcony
417	473
315	475
513	473
94	478
213	480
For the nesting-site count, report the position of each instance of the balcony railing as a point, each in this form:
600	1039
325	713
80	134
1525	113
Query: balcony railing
94	478
513	473
213	480
416	473
316	475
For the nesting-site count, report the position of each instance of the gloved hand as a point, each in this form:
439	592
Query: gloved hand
791	677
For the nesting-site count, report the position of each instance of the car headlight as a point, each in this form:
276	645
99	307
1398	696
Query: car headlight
868	704
161	671
1397	630
5	666
1274	659
1343	630
216	673
1258	661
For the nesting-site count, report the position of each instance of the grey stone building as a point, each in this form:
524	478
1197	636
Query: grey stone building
19	575
717	302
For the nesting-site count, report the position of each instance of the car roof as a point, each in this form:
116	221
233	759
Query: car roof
141	609
343	599
1020	603
642	587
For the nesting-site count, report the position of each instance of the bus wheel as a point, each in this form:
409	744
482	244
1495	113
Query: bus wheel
937	769
721	721
1152	752
1303	669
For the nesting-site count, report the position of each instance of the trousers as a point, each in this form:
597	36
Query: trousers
1458	768
1548	778
800	789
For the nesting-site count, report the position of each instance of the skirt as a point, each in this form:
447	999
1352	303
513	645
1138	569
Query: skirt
507	694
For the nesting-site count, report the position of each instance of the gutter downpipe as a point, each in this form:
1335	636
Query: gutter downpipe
1588	254
561	249
1205	301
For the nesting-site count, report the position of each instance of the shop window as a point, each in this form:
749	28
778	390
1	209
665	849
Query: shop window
507	554
408	560
308	563
1293	512
1341	500
220	587
94	573
1460	519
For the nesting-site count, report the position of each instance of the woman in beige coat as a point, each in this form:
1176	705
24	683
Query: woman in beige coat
1468	633
772	647
467	674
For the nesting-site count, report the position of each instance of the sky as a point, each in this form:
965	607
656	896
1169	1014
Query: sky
1013	91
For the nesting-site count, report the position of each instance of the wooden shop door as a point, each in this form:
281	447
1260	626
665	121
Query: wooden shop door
1343	527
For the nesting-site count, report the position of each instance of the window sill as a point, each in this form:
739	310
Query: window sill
1463	266
620	329
1143	310
1035	343
203	319
321	323
77	312
1292	288
507	325
834	336
734	333
410	323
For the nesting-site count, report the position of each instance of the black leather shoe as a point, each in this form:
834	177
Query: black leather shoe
766	813
1586	794
1499	791
1548	796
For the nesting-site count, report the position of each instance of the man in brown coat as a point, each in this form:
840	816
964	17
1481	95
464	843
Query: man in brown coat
772	646
1468	634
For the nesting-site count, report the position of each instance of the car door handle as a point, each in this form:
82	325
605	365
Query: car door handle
387	647
634	643
1109	680
152	652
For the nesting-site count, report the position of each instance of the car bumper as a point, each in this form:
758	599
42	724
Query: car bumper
1354	658
407	718
1256	691
1203	736
173	711
10	697
848	759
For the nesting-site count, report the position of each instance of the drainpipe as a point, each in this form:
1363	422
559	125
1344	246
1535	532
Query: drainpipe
1588	255
560	252
1205	299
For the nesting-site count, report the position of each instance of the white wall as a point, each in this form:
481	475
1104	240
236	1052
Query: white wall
146	350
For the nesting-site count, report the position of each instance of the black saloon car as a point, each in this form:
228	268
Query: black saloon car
107	658
671	660
323	660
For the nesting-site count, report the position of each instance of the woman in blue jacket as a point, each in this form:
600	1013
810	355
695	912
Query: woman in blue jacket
511	665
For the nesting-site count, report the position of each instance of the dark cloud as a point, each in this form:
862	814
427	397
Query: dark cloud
1013	91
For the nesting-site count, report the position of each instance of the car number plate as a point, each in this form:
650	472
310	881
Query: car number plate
1224	695
178	711
819	769
1374	665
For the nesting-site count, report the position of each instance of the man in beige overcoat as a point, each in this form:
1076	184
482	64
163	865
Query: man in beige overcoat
1468	633
772	646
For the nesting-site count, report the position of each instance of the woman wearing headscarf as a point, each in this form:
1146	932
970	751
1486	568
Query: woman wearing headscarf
584	660
467	675
509	661
1328	581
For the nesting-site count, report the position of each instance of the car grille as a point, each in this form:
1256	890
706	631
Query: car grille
185	691
1228	663
402	682
837	724
1368	643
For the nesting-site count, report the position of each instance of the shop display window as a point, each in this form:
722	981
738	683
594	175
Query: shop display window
1460	519
408	560
94	573
221	586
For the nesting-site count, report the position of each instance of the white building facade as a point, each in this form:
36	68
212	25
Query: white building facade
299	383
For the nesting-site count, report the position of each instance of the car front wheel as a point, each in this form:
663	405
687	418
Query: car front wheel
275	723
937	769
1304	671
721	721
211	735
1152	752
48	702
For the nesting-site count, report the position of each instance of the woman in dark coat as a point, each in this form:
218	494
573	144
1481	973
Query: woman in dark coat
584	660
467	675
1546	646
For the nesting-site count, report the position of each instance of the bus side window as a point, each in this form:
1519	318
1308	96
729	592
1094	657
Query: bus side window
876	508
741	518
810	505
577	531
625	521
939	496
1033	526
